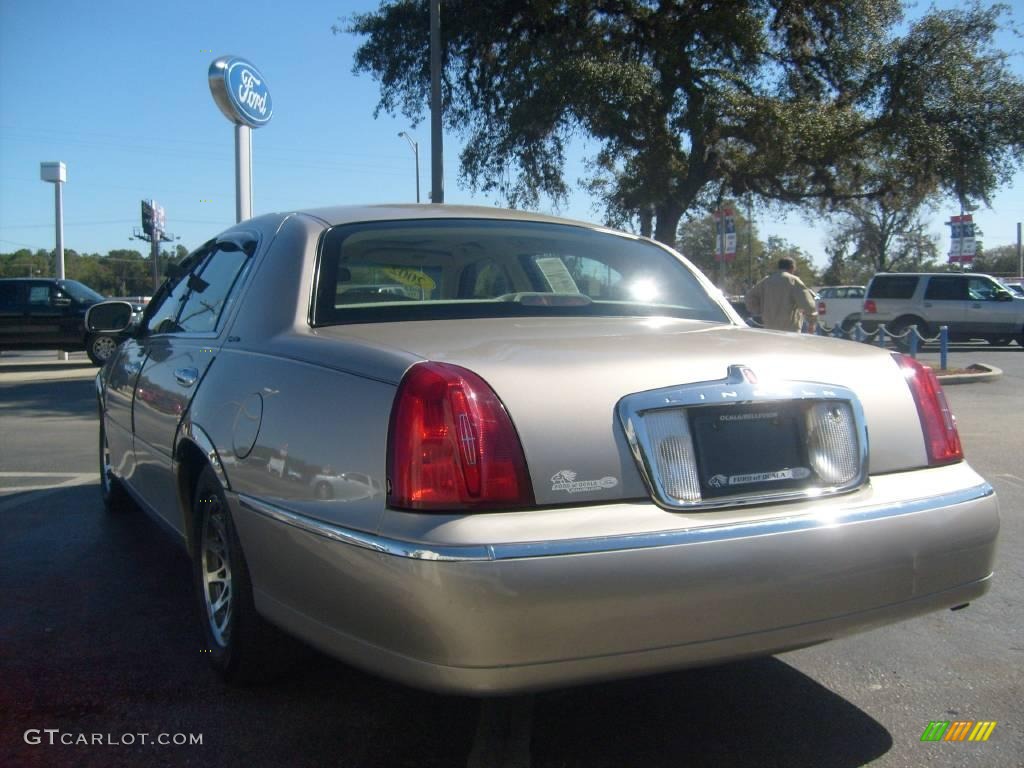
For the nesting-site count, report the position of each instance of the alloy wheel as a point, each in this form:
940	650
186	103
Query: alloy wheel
218	586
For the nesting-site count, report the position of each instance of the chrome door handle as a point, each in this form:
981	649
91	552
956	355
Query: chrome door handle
186	376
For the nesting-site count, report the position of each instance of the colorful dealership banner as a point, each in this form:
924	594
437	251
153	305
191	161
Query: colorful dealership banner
725	241
961	239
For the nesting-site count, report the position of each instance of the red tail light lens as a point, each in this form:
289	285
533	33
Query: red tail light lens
870	308
821	307
452	445
937	422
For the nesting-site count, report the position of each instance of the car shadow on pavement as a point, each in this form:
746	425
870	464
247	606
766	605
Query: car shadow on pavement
99	635
761	712
63	397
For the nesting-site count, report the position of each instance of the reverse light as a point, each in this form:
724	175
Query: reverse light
938	424
452	445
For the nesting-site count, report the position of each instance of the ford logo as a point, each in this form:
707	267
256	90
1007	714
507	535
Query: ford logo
240	91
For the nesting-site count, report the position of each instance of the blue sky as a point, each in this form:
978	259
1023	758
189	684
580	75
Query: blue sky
118	91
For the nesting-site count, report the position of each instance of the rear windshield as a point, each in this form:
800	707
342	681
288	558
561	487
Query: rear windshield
457	268
892	287
81	293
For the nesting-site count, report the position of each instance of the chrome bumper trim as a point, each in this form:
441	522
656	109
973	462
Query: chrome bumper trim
521	550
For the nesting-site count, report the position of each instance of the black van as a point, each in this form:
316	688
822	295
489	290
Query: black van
46	313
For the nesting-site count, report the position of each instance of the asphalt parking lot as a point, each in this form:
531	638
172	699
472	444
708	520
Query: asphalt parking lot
97	637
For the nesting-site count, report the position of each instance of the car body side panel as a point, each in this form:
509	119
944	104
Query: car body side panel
309	436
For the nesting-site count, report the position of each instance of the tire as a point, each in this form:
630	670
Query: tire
902	324
1000	341
115	497
99	347
242	647
323	491
848	324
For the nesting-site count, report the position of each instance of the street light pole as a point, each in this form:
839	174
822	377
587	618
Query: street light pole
56	173
416	151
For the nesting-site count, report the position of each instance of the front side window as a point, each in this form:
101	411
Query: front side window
466	268
39	295
162	313
209	288
982	289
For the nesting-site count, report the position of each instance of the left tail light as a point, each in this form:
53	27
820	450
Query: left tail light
938	424
452	445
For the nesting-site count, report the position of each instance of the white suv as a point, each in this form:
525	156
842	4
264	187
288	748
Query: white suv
971	306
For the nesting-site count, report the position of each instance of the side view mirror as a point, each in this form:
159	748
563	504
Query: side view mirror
109	317
1004	296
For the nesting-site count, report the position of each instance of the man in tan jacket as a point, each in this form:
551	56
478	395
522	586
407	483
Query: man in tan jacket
782	299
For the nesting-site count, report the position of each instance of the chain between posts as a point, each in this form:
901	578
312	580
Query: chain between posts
881	334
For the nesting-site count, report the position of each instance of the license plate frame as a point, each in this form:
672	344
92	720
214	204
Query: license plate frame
745	449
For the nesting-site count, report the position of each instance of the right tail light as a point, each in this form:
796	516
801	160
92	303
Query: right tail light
938	424
870	308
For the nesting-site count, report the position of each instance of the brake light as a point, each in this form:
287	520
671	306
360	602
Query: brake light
452	445
870	308
821	307
938	424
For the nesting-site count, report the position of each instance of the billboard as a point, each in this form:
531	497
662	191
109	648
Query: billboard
961	239
725	240
154	219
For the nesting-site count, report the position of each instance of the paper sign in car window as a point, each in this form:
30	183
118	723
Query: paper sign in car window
411	277
555	272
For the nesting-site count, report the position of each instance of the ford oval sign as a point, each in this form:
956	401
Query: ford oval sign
240	91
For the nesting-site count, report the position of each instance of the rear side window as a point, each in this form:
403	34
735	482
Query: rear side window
8	296
950	288
893	287
468	268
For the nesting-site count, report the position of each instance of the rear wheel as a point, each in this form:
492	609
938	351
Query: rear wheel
240	643
900	331
1000	341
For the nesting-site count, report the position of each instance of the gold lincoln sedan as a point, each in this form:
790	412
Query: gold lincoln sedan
483	451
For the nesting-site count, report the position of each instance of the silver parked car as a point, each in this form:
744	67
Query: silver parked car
483	451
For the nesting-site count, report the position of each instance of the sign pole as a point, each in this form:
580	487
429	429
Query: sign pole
243	172
1020	254
436	133
240	92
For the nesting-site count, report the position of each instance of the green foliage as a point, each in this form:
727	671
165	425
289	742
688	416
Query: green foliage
688	101
755	258
881	235
1002	261
119	273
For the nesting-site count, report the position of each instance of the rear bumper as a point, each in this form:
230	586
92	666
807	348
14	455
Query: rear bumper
527	614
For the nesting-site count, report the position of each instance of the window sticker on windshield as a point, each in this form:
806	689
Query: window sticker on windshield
412	277
556	274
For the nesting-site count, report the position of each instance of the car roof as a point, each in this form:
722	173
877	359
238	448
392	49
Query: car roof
349	214
932	274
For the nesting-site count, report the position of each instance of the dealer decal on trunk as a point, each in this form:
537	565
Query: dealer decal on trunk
722	481
565	480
